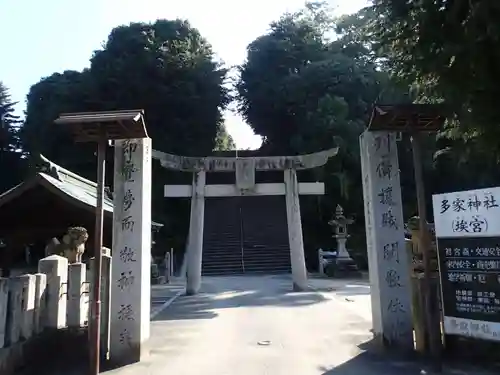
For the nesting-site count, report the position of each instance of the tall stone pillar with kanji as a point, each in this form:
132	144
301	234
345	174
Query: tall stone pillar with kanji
131	253
387	257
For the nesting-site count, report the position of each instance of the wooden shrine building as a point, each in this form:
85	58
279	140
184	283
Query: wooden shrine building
44	206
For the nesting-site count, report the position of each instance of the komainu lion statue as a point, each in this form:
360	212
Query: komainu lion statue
72	246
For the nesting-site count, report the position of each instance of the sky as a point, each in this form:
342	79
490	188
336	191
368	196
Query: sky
41	37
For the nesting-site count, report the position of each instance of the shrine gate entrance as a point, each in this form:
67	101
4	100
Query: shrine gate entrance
244	186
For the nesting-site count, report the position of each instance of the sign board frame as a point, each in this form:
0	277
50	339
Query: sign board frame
467	225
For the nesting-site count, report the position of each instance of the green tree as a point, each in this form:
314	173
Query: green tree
223	140
274	60
166	68
9	122
11	163
446	51
70	91
303	93
451	50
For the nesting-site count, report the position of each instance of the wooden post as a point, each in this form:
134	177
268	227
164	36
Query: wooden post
95	321
433	326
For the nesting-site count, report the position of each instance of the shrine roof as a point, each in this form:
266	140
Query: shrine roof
92	126
64	183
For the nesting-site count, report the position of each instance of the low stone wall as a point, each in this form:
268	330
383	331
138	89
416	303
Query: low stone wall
44	317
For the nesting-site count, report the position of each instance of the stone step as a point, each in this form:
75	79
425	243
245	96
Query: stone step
221	244
221	260
266	250
229	261
257	224
253	242
259	246
230	265
222	240
224	253
230	248
247	271
251	261
220	272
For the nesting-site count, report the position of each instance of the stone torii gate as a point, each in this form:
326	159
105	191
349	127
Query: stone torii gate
244	169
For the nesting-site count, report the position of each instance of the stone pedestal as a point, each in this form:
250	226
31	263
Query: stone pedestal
299	271
56	269
195	250
387	258
131	261
345	266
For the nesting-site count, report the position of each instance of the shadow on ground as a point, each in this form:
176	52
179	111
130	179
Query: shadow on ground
372	361
232	292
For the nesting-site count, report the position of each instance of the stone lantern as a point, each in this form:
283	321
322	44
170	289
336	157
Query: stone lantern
345	265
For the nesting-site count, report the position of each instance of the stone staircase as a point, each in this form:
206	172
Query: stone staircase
245	235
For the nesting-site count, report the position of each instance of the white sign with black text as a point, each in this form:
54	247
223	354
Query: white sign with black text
472	328
471	213
468	239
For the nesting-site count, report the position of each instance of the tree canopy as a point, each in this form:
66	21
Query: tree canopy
8	121
450	49
166	68
304	92
11	164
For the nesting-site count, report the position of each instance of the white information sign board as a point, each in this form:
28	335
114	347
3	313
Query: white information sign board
472	213
467	227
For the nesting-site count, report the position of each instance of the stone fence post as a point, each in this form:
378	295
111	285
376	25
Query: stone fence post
56	269
321	269
27	304
78	300
40	302
14	313
4	297
18	318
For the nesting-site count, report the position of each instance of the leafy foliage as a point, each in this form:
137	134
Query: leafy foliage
166	68
223	140
447	51
303	93
450	49
8	122
11	164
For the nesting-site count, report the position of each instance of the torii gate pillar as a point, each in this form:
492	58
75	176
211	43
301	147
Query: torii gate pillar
295	238
195	242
